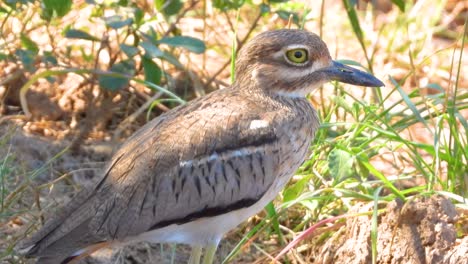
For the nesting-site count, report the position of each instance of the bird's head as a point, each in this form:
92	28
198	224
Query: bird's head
293	63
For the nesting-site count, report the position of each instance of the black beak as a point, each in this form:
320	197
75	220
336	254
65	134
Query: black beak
342	73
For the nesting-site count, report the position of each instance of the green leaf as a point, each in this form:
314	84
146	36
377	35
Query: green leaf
3	56
151	35
192	44
152	71
361	169
116	22
117	81
27	58
286	14
51	79
130	51
271	211
97	11
28	43
151	50
264	9
353	18
225	5
138	15
55	8
172	60
49	58
123	3
352	63
340	163
400	4
293	191
79	34
168	7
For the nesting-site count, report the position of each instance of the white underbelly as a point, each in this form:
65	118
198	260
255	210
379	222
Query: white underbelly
206	230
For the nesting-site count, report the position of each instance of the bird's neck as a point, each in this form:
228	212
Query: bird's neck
254	81
268	95
253	88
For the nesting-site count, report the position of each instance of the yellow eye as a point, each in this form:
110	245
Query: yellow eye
297	55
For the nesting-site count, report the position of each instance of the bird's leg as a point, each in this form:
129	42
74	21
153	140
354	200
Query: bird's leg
210	253
195	255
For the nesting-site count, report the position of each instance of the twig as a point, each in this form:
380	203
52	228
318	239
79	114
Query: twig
89	121
12	77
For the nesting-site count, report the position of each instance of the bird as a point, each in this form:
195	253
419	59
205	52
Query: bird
199	170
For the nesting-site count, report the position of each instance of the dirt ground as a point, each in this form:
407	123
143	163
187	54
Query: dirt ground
419	231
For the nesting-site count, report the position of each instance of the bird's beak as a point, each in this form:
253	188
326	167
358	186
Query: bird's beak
342	73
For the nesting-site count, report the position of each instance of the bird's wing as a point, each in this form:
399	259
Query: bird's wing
211	159
201	160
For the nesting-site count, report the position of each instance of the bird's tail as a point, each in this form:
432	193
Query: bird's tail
66	236
73	258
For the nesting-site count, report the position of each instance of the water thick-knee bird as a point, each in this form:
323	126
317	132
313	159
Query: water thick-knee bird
197	171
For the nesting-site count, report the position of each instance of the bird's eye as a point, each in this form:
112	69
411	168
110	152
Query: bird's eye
297	56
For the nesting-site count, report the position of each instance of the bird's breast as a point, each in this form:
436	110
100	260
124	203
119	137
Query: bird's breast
295	135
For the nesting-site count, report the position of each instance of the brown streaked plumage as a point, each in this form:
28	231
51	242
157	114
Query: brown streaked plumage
199	170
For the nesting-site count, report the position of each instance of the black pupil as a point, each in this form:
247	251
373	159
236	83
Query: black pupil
298	54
